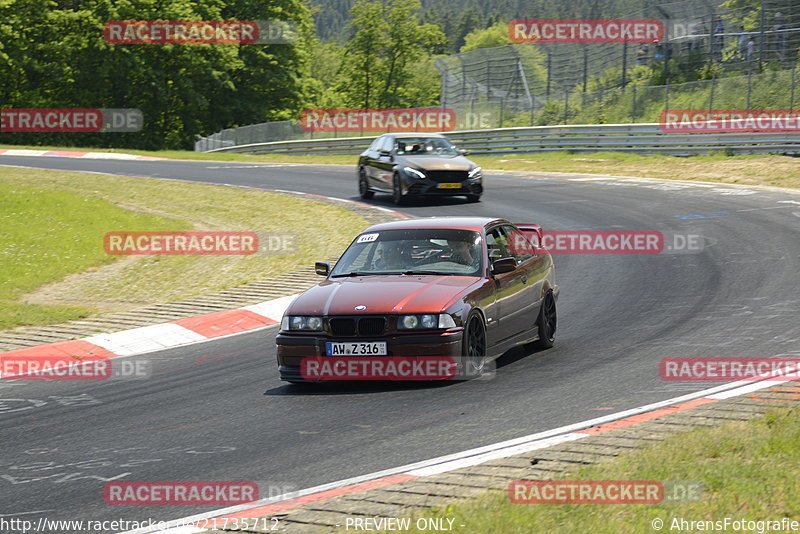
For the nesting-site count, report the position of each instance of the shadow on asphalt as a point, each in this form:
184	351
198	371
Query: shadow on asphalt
370	387
519	353
384	200
358	388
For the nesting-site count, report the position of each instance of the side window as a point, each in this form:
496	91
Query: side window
374	147
518	245
496	243
358	260
387	144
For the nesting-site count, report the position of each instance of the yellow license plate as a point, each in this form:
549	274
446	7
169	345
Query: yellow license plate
450	186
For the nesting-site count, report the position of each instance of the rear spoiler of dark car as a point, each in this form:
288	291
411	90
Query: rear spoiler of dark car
530	230
530	239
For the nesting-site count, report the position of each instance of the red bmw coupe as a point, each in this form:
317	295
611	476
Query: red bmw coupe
465	288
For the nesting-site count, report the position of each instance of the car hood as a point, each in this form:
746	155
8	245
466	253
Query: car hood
382	294
437	163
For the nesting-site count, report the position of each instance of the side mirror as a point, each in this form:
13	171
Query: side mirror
384	153
322	268
463	152
503	265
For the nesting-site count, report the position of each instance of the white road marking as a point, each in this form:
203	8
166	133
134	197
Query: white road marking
145	339
13	514
272	309
493	455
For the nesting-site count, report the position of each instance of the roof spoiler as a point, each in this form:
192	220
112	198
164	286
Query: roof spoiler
529	228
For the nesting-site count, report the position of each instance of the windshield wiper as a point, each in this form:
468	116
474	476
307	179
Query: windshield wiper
354	273
424	272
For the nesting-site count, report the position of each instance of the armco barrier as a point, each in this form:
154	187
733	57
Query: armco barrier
642	138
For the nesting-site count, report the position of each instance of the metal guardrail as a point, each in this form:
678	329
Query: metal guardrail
641	138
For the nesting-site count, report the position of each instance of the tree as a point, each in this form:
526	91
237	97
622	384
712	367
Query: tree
53	54
495	35
387	39
323	78
468	22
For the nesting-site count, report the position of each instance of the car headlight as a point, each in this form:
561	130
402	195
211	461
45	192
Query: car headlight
475	173
301	322
425	321
414	172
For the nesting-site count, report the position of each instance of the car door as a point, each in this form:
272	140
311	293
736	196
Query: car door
511	289
533	269
371	161
384	164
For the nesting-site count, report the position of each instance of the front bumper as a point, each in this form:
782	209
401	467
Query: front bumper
292	348
428	187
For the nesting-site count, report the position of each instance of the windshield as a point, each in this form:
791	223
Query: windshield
418	251
425	146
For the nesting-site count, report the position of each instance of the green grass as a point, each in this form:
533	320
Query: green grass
49	234
748	470
55	267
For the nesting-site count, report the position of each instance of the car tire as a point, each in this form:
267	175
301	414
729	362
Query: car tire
547	322
363	186
473	198
397	191
473	351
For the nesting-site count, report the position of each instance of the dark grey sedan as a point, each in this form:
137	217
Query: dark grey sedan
413	164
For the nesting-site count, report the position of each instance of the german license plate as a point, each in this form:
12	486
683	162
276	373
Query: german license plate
360	348
449	185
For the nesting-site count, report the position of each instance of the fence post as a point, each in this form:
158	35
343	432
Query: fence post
489	81
624	64
442	97
633	106
549	65
585	67
666	96
749	78
761	37
711	44
711	96
566	105
791	94
463	80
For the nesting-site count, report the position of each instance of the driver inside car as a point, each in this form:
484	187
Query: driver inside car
462	252
391	257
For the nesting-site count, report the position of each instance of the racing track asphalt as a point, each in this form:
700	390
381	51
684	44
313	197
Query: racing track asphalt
217	411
